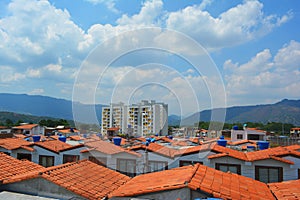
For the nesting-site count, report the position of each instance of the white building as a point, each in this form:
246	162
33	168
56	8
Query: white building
144	118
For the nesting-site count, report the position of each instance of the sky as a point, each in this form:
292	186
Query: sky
192	55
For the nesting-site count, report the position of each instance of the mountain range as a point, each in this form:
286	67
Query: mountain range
285	111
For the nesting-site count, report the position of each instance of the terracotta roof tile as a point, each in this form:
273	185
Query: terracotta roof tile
286	189
228	185
157	148
56	145
25	126
195	149
106	147
13	143
160	181
12	167
84	178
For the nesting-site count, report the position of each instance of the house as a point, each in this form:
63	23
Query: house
269	165
16	147
112	156
55	152
28	129
248	134
77	180
191	182
295	132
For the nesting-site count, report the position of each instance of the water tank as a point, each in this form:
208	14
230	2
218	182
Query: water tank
263	145
170	137
62	138
222	141
235	127
117	141
36	138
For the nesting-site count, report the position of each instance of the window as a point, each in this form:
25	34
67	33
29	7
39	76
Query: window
26	156
239	136
98	160
154	166
188	162
298	173
70	158
6	153
253	137
46	161
126	166
268	174
229	168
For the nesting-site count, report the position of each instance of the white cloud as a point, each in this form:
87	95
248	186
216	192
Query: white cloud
265	76
235	26
36	91
110	4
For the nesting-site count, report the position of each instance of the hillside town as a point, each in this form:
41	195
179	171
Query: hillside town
190	163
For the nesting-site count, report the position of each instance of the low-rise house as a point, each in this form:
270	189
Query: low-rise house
295	132
191	182
28	129
77	180
248	134
112	156
16	147
54	152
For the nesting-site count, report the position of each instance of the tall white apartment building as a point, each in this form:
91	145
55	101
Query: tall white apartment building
144	118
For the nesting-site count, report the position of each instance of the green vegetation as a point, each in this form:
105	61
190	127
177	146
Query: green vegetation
275	127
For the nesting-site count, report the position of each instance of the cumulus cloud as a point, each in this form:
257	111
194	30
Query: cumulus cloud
265	76
235	26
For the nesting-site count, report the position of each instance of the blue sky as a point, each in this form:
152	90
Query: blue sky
255	46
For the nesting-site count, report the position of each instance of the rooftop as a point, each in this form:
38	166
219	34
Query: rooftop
25	126
286	189
84	178
11	167
14	143
56	145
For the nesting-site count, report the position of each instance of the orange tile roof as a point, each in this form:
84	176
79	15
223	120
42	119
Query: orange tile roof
84	178
157	148
198	177
228	185
195	149
76	137
286	189
160	181
239	142
106	147
10	167
25	126
271	153
113	129
295	129
67	130
13	143
56	145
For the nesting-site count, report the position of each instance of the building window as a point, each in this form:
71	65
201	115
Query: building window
239	136
126	166
46	161
26	156
253	137
70	158
6	153
298	173
188	162
229	168
98	160
268	174
155	166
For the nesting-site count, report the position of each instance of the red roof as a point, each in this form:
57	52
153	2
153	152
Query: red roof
286	189
157	148
228	185
106	147
14	143
198	177
10	167
84	178
155	182
56	145
113	129
25	126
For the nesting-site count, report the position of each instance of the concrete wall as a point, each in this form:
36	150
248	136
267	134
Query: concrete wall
40	187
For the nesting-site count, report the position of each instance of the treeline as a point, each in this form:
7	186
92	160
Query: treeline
275	127
54	123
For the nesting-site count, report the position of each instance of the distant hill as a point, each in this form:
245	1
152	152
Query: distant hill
45	106
285	111
15	117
